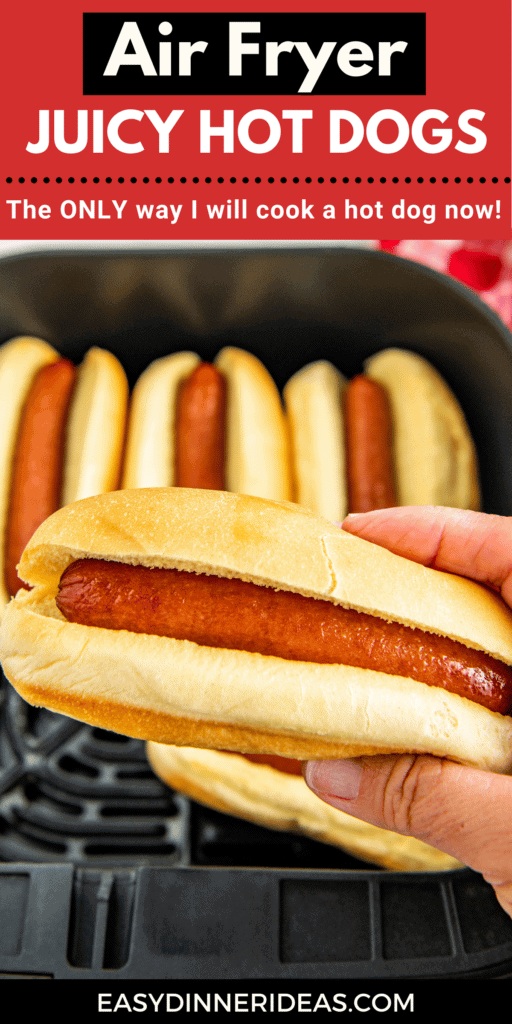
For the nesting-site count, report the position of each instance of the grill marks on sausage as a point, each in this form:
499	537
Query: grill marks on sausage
200	429
369	446
231	613
37	474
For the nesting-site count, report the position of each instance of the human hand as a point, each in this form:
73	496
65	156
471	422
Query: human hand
463	811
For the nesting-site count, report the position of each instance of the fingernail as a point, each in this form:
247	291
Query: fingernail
353	518
341	779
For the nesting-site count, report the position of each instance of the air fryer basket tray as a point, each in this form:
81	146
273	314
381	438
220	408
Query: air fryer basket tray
104	868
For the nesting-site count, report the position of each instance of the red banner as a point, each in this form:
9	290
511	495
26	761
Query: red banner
296	165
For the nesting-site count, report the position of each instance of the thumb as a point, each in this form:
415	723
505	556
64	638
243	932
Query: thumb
462	811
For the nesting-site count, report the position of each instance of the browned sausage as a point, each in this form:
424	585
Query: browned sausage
288	765
368	426
200	429
37	474
219	612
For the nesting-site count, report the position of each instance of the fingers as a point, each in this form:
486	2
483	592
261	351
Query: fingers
467	543
463	811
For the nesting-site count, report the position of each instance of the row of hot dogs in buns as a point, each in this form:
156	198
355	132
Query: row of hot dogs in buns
223	427
393	436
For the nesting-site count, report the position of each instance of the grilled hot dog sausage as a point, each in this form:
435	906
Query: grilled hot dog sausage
37	474
368	427
200	429
231	613
289	765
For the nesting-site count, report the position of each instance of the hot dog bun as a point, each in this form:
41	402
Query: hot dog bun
313	401
275	799
149	454
433	452
178	692
257	456
435	459
93	439
257	453
96	427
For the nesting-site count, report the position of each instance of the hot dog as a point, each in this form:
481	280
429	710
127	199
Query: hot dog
404	438
222	426
183	692
277	797
370	472
20	361
201	429
323	407
37	475
235	614
62	438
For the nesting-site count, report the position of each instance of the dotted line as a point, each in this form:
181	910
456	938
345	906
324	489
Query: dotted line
257	181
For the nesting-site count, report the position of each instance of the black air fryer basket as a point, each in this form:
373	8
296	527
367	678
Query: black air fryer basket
108	874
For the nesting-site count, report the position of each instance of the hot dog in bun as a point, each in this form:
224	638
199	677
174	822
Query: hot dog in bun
220	426
247	587
395	435
61	438
344	446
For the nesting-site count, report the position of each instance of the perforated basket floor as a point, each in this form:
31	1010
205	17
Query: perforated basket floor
108	873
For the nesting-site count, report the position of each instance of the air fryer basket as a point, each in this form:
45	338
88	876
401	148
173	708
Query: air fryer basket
105	872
